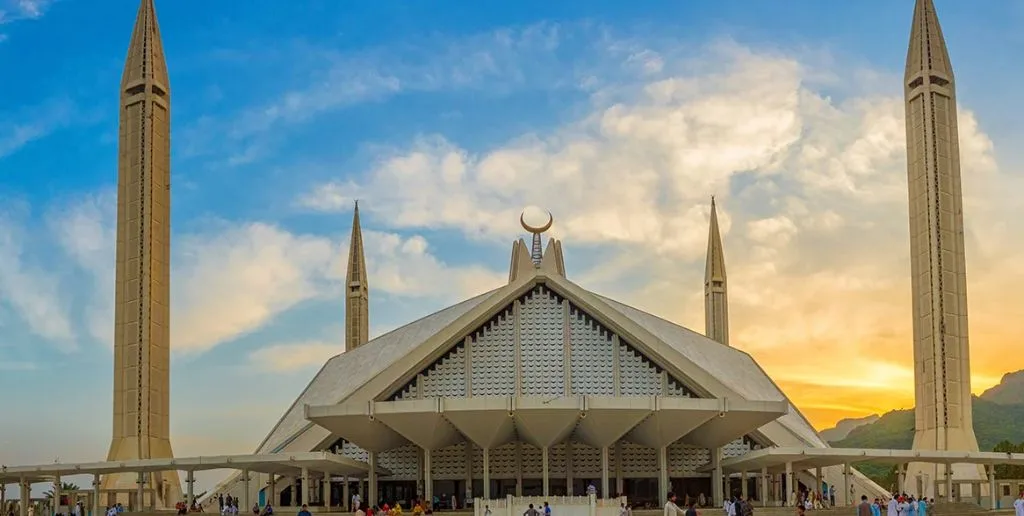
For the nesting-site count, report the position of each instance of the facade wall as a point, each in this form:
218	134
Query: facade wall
560	350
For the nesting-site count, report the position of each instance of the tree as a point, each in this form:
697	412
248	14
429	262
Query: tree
1004	471
65	487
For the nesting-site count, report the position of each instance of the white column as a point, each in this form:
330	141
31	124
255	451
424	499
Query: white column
544	470
846	484
371	489
428	478
487	474
663	473
817	486
949	483
306	488
789	490
346	497
246	502
325	491
901	484
190	480
743	484
272	490
717	497
96	510
991	487
468	496
764	487
139	493
519	444
604	473
568	466
26	497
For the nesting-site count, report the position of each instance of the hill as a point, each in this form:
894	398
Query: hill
845	426
996	418
1010	390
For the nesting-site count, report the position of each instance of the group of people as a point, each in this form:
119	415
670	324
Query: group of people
735	506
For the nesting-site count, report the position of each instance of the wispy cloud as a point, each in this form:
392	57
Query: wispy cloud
29	124
498	61
236	278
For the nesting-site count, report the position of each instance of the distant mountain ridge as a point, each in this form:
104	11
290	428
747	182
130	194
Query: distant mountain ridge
1010	390
845	426
997	416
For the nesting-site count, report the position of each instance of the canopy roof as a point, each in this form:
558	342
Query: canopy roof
287	464
775	459
543	421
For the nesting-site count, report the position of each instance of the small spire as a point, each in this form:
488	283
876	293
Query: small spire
145	62
716	300
357	292
927	54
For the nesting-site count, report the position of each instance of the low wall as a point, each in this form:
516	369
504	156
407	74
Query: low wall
560	505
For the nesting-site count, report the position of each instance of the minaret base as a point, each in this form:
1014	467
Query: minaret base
921	477
161	489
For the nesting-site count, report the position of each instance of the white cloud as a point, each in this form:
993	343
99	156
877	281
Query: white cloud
30	289
294	356
30	124
236	278
817	187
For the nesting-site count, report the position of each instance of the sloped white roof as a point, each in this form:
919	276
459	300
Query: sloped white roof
344	373
733	367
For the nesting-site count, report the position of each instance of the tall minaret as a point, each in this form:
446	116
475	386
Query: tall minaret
357	295
942	373
716	298
142	277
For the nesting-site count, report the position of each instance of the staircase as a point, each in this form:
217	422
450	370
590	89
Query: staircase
956	508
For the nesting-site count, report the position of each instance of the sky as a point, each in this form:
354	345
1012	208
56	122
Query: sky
445	119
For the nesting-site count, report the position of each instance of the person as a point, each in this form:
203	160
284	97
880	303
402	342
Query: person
268	510
304	511
256	509
356	506
727	507
893	507
864	509
547	509
922	507
591	489
1018	505
396	510
531	511
360	509
671	509
690	509
832	496
487	510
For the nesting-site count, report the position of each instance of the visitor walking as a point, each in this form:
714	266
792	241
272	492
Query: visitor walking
671	509
1018	505
531	511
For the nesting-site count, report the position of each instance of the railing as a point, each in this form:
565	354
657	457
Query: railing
561	505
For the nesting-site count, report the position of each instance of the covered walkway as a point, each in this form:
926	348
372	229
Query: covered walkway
317	465
789	459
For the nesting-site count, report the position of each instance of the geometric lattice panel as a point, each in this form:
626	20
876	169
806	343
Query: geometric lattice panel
531	457
638	461
542	343
556	460
493	355
449	463
447	378
403	462
586	460
354	452
591	359
638	375
503	461
735	448
684	460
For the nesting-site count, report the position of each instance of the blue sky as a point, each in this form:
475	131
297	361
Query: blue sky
446	118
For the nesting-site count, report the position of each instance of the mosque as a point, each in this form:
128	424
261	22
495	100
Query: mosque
539	387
